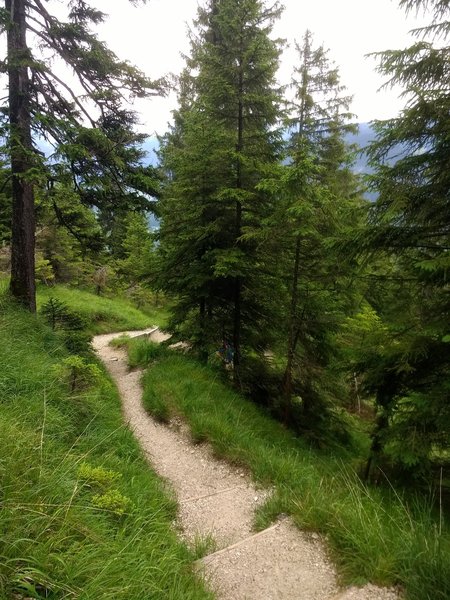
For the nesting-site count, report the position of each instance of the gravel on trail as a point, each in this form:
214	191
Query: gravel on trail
218	501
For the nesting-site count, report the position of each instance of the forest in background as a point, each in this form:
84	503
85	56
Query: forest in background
327	310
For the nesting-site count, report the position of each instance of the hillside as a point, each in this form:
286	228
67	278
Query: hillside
82	515
76	491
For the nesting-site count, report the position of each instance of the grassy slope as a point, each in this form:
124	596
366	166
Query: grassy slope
374	534
55	539
103	314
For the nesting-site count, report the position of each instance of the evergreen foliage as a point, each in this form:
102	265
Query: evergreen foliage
97	152
221	147
258	209
72	325
136	262
409	227
317	207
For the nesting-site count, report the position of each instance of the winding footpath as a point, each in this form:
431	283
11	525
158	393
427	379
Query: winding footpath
218	501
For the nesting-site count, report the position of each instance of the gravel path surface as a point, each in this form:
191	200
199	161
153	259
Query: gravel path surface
218	500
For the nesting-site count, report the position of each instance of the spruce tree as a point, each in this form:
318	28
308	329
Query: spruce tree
42	103
68	236
409	229
320	200
223	143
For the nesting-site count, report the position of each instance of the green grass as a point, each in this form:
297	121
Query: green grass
141	352
81	514
374	533
103	314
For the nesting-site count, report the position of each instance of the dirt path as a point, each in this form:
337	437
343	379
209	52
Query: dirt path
218	500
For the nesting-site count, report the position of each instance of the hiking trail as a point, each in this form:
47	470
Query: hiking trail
218	500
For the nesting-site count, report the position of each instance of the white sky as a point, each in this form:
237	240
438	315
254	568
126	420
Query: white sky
153	36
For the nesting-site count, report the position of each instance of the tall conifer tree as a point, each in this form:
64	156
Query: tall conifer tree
223	143
409	228
321	195
40	102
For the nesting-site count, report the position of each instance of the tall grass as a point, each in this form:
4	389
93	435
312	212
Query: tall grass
375	534
65	534
103	314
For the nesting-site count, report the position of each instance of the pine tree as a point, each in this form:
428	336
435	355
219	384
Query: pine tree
137	264
320	198
42	103
409	228
68	236
222	145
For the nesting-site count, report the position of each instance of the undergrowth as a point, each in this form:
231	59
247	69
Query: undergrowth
375	534
81	514
142	352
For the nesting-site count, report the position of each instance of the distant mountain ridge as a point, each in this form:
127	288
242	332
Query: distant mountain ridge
362	139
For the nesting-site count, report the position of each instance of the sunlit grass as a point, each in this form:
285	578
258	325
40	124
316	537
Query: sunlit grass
103	314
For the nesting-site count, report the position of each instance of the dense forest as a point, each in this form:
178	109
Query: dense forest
319	293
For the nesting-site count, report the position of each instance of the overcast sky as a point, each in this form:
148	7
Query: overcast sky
153	37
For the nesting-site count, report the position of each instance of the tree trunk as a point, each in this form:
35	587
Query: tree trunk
237	325
376	446
202	348
293	334
22	284
384	399
293	337
237	331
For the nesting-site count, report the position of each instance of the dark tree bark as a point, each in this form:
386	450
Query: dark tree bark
293	333
386	393
22	284
238	280
203	349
